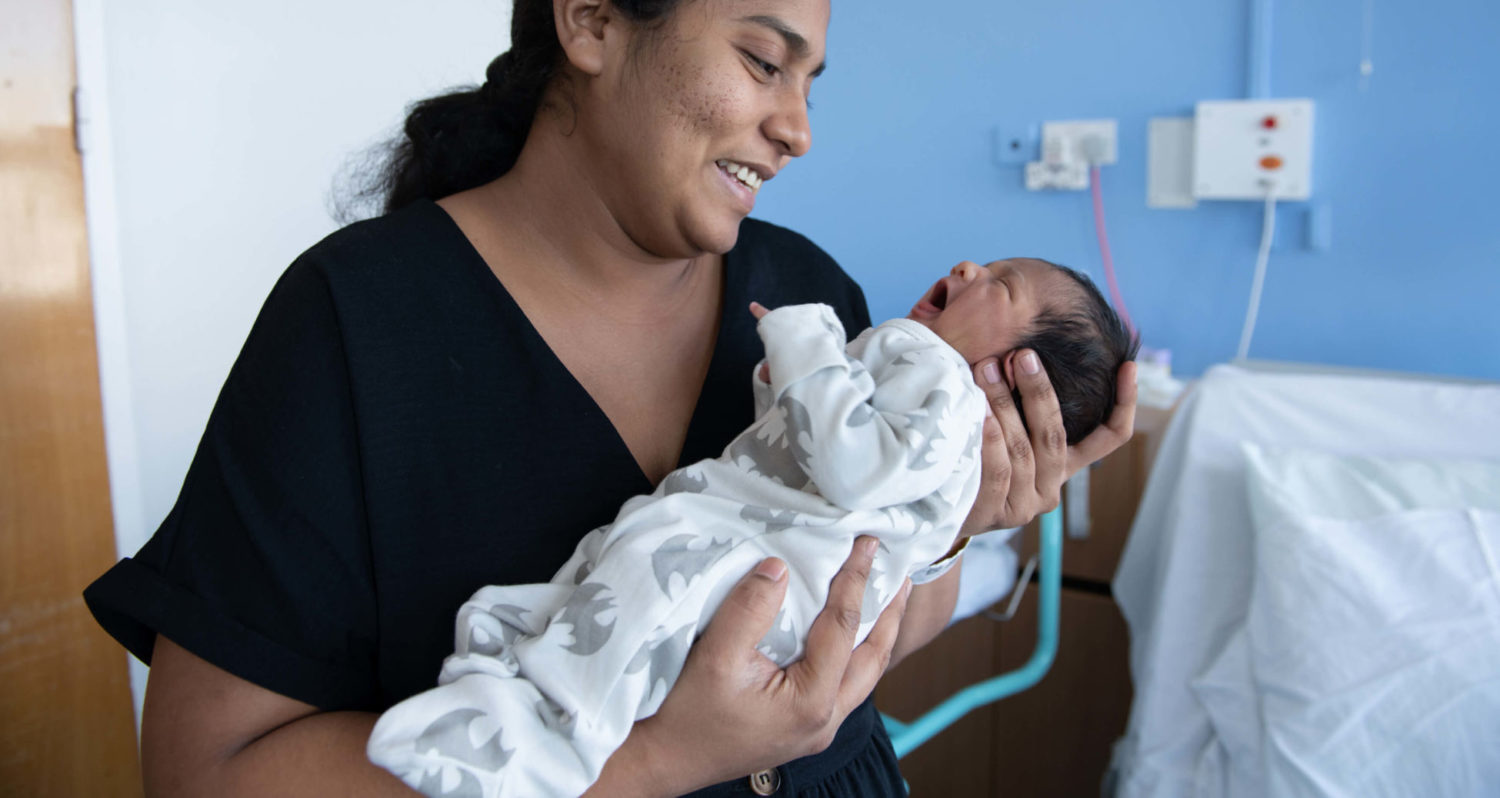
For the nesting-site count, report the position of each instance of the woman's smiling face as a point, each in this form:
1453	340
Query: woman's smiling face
984	311
700	112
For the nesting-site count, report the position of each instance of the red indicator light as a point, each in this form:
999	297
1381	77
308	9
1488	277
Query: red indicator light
1269	123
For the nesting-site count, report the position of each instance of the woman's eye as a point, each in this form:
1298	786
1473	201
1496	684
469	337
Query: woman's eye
763	65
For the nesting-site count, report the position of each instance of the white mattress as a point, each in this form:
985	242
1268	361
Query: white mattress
1184	580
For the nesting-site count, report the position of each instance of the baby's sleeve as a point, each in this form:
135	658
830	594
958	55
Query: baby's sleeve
882	431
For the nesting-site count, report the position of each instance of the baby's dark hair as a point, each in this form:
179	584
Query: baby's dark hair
1082	344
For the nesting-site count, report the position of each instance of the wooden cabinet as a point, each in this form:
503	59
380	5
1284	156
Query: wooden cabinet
1054	739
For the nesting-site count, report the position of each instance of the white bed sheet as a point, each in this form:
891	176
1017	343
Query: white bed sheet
1184	578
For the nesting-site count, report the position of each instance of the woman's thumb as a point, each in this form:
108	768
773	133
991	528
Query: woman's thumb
750	608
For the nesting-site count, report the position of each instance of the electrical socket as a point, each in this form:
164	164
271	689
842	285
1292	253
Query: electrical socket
1069	149
1088	141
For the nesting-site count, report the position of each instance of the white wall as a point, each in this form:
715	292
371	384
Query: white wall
212	134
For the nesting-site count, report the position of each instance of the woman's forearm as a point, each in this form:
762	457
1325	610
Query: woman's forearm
927	613
321	754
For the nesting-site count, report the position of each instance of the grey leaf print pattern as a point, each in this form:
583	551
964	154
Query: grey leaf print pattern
767	457
675	556
591	547
684	481
468	786
924	422
930	508
449	736
798	423
904	360
582	613
665	658
555	718
511	626
774	520
780	643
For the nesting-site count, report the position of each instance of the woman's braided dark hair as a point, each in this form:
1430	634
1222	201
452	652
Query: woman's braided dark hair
469	137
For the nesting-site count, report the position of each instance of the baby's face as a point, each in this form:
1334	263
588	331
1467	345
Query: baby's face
983	311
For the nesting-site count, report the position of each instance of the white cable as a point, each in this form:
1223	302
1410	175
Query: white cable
1267	232
1367	45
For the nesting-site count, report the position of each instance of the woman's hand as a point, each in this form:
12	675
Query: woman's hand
1024	472
733	711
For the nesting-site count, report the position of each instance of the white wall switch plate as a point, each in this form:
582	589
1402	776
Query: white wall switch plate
1244	149
1070	142
1042	176
1169	163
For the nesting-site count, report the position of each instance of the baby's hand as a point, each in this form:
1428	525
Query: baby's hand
759	311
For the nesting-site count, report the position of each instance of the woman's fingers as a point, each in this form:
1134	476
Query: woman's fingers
1115	432
868	662
1007	431
1048	438
830	640
747	613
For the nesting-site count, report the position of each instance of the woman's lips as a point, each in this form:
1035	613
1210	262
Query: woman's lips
741	192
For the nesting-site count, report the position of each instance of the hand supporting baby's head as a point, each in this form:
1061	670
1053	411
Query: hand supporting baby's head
1082	342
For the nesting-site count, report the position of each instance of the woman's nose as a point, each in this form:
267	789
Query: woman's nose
788	125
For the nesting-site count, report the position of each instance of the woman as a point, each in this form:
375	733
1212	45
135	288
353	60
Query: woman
451	395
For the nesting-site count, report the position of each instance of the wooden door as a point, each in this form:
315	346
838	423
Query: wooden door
68	727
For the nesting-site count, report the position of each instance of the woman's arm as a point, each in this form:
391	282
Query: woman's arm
927	613
206	731
731	712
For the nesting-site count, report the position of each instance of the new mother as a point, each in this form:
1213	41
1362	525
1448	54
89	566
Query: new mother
550	317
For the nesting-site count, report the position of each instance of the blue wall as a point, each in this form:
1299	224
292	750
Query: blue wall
901	182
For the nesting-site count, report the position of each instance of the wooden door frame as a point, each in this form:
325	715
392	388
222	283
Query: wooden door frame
63	687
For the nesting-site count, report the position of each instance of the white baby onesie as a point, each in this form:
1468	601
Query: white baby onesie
881	438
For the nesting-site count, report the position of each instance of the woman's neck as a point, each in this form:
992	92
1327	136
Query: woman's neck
548	213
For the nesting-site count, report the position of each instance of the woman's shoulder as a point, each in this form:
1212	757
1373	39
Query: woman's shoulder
419	232
410	262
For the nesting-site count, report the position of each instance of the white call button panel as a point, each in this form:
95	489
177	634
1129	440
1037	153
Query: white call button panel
1245	149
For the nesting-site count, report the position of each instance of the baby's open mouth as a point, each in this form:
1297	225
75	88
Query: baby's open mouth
939	295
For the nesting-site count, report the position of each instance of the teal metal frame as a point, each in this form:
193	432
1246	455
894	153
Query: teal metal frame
907	736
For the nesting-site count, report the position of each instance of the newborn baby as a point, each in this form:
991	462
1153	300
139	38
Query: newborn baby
879	437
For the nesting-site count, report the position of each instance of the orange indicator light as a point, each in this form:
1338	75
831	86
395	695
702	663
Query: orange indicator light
1270	162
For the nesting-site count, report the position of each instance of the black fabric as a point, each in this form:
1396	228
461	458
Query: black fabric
859	762
393	436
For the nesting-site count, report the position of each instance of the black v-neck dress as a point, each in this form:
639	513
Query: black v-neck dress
394	435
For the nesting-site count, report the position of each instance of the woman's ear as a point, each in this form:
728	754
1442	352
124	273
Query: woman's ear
581	27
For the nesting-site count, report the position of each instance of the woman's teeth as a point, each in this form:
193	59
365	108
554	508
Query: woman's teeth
744	174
